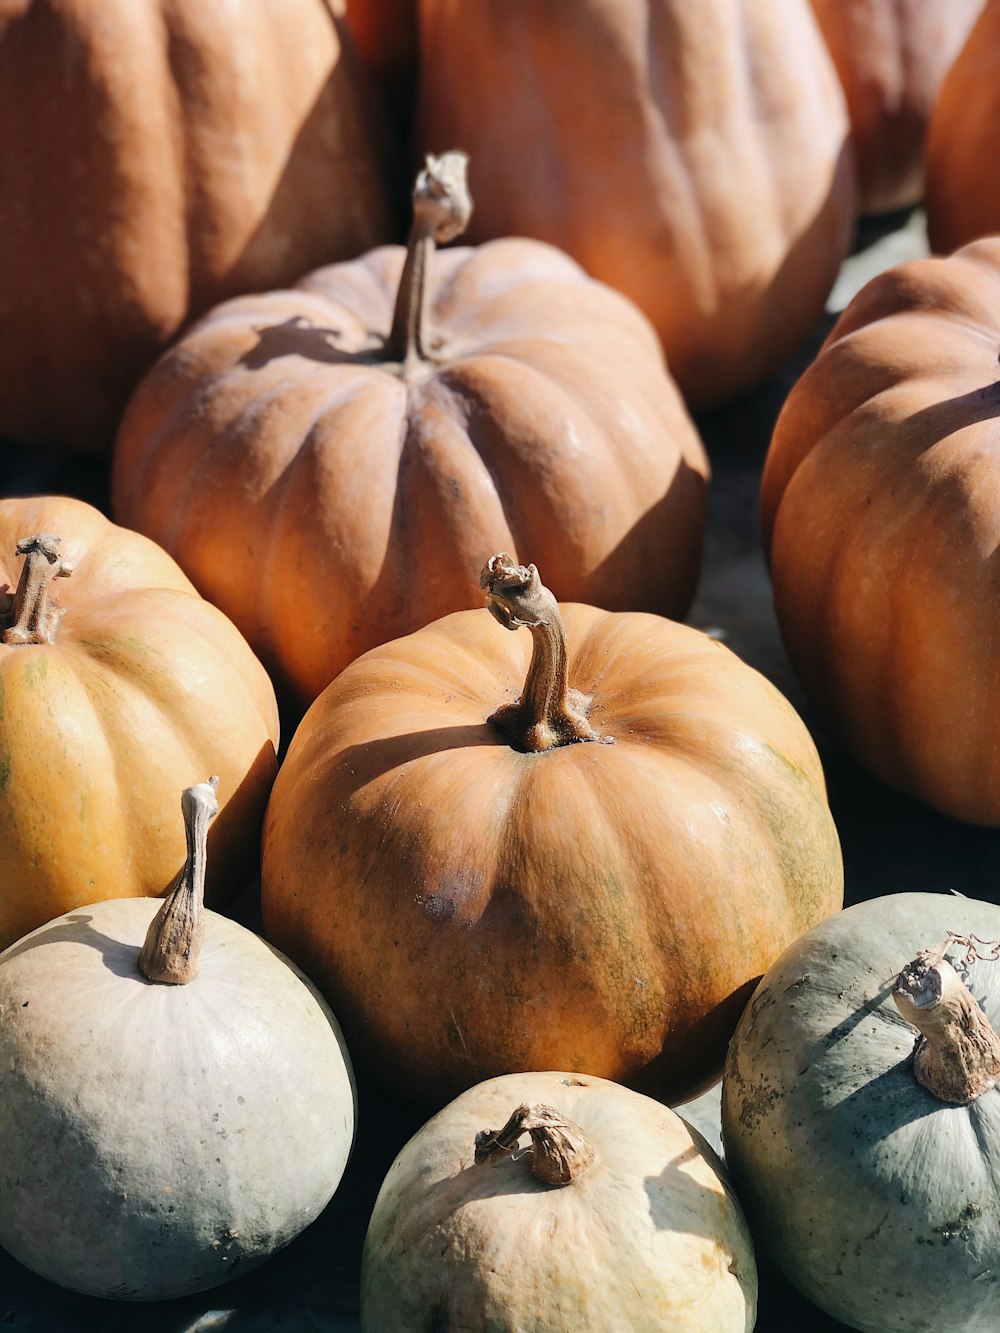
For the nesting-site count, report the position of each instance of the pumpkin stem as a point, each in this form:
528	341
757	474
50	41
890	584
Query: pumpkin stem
33	618
173	942
442	207
548	712
957	1055
559	1151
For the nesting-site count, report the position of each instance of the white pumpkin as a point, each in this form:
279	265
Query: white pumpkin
632	1227
868	1156
157	1137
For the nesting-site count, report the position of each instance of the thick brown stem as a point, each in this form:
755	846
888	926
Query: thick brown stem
559	1150
548	712
441	211
957	1055
172	950
34	619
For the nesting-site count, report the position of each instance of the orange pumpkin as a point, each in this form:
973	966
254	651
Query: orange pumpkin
590	876
881	511
691	155
891	56
303	452
156	158
963	197
118	685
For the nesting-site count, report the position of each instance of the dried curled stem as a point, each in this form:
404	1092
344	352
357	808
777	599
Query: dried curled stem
559	1151
172	949
33	618
442	207
548	712
957	1055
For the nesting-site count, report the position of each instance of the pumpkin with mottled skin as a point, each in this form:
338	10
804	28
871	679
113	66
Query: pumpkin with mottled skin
480	885
876	1196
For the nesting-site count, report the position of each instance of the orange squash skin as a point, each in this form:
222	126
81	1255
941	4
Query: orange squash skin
692	155
963	197
606	907
301	481
155	159
891	56
145	687
881	510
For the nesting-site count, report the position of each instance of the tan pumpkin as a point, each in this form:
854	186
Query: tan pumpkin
881	512
963	198
156	158
118	685
891	56
551	1201
691	155
303	453
590	877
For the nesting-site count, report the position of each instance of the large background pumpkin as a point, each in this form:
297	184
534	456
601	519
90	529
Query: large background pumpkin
963	195
303	462
881	505
154	159
691	155
891	56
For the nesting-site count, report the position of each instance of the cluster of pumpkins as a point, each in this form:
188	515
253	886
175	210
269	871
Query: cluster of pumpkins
534	842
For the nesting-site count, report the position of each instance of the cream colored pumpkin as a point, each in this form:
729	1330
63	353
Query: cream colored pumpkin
645	1236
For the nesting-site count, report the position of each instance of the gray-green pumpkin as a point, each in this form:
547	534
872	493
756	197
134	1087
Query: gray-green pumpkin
176	1101
867	1155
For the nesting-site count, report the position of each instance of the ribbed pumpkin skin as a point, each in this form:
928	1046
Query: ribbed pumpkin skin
301	483
649	1238
693	156
963	198
159	1139
146	689
470	909
891	56
155	159
881	508
879	1201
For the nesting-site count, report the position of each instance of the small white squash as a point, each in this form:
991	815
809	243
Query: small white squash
618	1216
860	1115
176	1101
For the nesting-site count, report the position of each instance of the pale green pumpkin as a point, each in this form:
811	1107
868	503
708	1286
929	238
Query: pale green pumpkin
877	1198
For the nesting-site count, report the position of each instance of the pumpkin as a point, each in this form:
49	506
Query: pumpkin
386	35
860	1115
177	1101
693	156
589	872
155	159
891	58
881	512
615	1215
963	200
118	684
301	453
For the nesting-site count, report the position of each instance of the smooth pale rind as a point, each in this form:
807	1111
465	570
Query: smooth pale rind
601	906
649	1237
146	689
881	1203
156	1140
